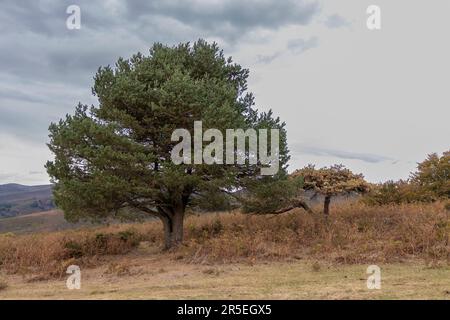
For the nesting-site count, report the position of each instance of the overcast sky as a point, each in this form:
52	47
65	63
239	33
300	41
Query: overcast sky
376	101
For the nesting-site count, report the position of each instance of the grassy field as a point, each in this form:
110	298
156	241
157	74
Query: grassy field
136	277
297	255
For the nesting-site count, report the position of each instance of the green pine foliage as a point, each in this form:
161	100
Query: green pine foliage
118	154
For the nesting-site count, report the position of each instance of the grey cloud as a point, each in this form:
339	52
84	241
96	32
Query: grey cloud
296	46
28	107
7	176
36	48
36	172
32	126
35	16
12	94
23	178
230	19
265	59
71	61
300	45
47	69
341	154
36	44
336	21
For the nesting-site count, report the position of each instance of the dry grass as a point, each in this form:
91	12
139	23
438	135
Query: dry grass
162	278
52	253
353	234
3	285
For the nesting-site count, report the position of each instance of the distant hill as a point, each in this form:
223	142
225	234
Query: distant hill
17	199
35	222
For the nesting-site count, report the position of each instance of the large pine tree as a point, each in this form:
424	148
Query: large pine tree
118	155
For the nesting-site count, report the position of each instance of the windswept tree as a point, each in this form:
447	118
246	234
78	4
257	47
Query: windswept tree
330	182
117	156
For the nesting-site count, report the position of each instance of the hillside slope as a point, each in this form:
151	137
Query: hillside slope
16	199
35	222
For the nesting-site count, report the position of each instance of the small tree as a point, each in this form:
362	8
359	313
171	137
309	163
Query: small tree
429	183
117	156
397	192
433	175
331	182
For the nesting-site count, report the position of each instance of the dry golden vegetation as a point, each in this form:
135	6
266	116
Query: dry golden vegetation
352	234
3	285
142	276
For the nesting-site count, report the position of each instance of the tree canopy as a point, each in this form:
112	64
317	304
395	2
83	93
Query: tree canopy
433	175
331	181
117	155
430	182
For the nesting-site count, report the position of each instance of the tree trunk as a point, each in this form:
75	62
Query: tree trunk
173	229
326	206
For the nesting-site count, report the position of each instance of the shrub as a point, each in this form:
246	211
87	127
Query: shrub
398	192
354	233
50	253
431	182
73	249
433	175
